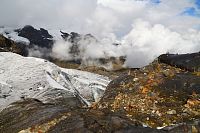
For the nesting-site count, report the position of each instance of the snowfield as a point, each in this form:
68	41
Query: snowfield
11	34
28	77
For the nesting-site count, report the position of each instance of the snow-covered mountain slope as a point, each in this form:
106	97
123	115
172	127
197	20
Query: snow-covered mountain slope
57	45
10	33
28	77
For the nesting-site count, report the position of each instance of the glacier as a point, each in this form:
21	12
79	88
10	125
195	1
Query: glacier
30	77
10	33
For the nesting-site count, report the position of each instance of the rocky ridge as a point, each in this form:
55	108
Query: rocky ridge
40	42
161	97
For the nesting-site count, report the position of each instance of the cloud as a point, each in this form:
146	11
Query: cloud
146	42
96	16
146	28
141	45
61	50
67	14
88	48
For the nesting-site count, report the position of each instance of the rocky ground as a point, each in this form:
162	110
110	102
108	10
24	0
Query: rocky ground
157	95
161	97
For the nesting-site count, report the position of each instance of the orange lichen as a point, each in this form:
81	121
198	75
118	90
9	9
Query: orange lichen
43	128
193	102
144	90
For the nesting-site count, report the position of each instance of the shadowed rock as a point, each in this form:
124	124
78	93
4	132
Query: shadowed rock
190	62
31	112
7	45
31	115
157	95
40	38
41	44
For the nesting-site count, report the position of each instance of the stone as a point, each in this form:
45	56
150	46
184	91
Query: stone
171	112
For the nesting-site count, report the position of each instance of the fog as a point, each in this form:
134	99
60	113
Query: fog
144	28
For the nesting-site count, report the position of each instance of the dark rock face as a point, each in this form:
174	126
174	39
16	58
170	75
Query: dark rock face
184	83
158	95
31	112
7	45
76	39
31	115
162	94
72	37
40	38
190	62
193	127
41	44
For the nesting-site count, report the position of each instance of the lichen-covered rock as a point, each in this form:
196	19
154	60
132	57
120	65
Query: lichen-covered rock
31	115
32	112
157	98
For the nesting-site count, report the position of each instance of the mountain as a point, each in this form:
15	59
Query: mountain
40	43
38	96
7	45
40	38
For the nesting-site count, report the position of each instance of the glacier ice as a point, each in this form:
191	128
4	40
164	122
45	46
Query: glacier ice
29	77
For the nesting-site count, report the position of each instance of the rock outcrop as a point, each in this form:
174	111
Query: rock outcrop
158	98
190	62
38	96
158	95
40	38
39	43
31	115
7	45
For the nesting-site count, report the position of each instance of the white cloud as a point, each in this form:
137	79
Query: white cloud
146	29
61	50
146	42
124	6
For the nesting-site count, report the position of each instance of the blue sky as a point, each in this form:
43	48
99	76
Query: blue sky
191	11
147	29
197	2
116	15
155	1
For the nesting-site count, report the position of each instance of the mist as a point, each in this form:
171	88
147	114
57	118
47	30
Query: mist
144	28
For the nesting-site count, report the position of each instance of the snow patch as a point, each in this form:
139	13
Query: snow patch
29	77
11	34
